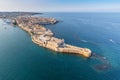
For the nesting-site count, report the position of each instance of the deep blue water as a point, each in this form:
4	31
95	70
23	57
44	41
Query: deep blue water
20	59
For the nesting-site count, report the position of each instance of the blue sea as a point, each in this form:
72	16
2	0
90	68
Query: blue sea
20	59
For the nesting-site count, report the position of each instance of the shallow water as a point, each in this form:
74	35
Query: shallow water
20	59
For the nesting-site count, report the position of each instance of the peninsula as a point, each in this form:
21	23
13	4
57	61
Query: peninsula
44	37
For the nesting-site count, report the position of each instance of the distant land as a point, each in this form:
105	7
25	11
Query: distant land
16	14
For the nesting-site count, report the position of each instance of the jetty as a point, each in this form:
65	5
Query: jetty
44	37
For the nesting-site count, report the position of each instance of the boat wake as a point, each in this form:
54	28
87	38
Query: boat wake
84	41
112	41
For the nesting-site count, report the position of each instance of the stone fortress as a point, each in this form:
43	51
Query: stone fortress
44	37
40	35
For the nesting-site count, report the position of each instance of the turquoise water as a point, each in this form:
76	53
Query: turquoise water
20	59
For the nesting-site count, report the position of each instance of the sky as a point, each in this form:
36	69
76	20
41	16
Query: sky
60	5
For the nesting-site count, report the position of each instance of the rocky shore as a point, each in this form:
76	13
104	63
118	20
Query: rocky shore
44	37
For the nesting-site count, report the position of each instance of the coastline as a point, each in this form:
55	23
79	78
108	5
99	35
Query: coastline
44	37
